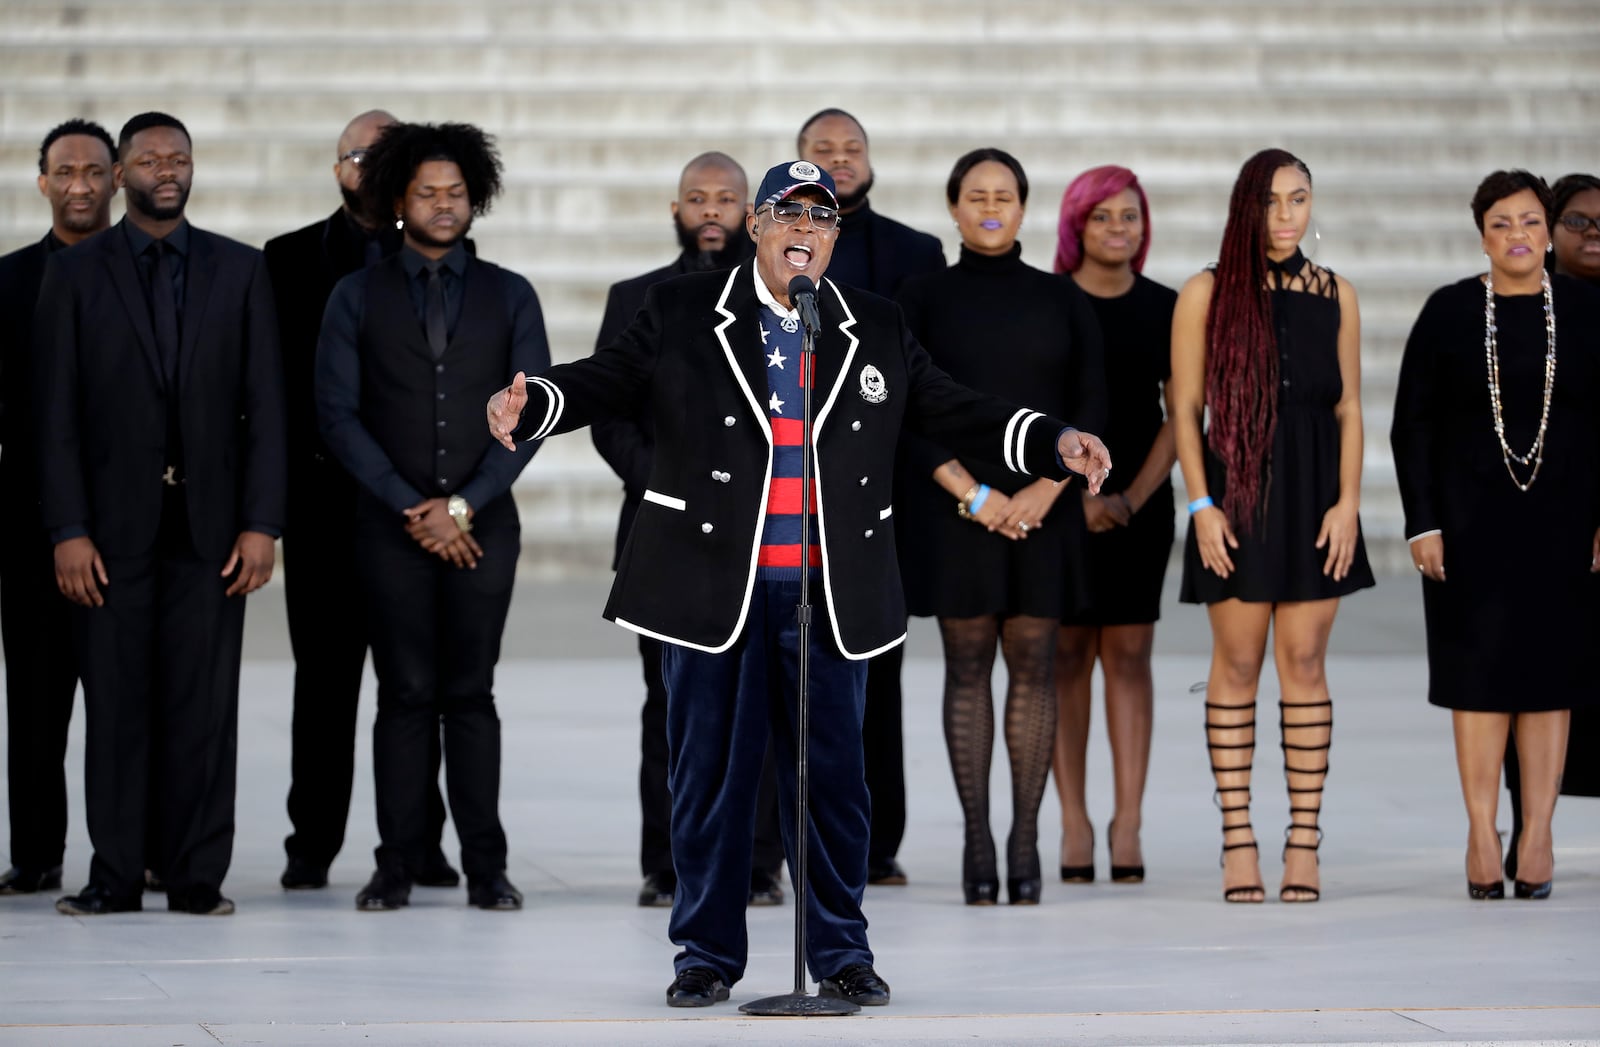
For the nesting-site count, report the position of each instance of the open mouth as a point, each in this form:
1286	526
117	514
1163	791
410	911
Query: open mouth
797	255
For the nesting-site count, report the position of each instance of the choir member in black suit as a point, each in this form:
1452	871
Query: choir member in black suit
319	543
990	548
76	177
410	348
1104	238
708	215
874	253
1496	442
162	463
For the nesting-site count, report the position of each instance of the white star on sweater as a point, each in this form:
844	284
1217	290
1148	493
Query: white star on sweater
776	359
776	404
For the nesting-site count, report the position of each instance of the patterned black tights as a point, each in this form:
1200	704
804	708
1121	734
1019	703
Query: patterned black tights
1030	724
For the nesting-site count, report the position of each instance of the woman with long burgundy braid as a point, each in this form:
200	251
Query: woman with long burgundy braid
1271	344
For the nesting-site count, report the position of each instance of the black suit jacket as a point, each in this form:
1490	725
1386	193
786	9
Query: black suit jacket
21	273
304	266
692	362
102	407
878	254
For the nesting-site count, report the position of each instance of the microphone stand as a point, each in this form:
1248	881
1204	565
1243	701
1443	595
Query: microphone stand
799	1003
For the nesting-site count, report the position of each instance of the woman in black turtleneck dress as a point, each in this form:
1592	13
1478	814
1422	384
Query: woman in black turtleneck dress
987	553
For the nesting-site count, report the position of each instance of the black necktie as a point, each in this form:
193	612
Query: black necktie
164	312
433	314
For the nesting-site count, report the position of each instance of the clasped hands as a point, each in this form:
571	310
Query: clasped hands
430	524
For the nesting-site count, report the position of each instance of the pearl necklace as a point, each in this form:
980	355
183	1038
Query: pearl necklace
1491	351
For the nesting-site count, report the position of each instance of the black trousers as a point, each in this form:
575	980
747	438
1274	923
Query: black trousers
655	800
435	631
328	635
160	666
41	680
884	744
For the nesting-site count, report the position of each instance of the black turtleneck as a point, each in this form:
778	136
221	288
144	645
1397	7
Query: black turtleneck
1006	328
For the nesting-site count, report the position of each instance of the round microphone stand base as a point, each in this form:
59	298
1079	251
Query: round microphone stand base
799	1005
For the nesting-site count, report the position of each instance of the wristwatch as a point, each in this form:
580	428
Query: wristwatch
460	512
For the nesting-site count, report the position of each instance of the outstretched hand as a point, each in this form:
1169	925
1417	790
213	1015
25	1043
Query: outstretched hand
1085	454
505	410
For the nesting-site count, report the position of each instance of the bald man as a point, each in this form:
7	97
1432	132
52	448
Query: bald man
324	606
708	217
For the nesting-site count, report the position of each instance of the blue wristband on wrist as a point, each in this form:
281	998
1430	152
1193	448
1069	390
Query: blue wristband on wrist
1200	503
978	499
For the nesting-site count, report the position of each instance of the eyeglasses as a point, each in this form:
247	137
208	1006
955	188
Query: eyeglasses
355	156
1577	223
788	212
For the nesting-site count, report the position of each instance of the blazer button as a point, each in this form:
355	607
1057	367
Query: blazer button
863	481
438	368
855	426
441	396
443	482
705	528
441	452
442	423
728	420
868	533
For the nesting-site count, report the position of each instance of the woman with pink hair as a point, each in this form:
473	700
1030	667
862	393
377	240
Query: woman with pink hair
1103	239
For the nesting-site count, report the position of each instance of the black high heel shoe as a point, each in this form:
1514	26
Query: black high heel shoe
1080	873
1488	892
1023	887
1536	892
1026	891
1123	873
980	881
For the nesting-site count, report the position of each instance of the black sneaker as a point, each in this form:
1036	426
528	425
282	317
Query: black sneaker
658	890
386	891
696	987
858	983
765	888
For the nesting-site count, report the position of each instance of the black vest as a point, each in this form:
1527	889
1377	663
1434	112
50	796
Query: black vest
427	415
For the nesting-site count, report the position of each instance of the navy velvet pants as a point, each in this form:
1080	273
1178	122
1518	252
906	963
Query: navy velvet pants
721	709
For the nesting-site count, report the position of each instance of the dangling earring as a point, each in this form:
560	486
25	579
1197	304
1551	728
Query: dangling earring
1550	247
399	222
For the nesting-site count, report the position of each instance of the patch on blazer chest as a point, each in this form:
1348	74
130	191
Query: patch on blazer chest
873	389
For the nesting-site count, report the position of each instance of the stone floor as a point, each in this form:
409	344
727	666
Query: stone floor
1395	953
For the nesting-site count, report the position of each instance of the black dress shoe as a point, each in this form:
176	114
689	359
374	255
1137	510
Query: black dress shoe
303	874
96	901
885	873
765	888
696	987
199	901
658	890
22	880
437	871
389	889
495	894
858	983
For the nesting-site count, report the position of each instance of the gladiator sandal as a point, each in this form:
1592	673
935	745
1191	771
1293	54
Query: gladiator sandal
1232	795
1305	786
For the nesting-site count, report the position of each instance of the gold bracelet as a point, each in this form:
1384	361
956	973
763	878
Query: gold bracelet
963	507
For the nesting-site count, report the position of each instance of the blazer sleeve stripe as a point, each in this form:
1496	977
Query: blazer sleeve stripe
1022	439
555	404
1009	442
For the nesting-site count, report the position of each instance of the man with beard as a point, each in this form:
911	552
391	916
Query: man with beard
729	536
320	582
410	348
162	480
76	162
876	254
708	215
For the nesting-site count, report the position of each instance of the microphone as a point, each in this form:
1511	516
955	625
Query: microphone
803	293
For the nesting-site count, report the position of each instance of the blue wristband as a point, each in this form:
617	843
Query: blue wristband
978	499
1200	503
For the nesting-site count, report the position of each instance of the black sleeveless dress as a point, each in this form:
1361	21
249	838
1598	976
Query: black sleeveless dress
1277	560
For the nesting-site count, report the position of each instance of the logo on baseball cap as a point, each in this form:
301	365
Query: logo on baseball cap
784	179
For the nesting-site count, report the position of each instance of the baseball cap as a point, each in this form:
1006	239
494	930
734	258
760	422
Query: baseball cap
784	179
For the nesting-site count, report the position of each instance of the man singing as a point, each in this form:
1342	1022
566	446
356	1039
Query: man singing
713	565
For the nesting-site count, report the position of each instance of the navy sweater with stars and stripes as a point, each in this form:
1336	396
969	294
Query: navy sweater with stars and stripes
779	557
